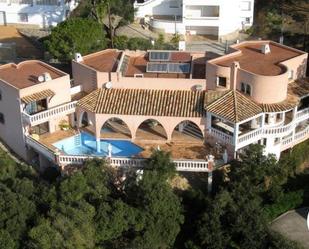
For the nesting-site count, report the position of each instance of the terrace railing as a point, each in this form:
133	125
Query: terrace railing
278	131
44	116
221	135
297	138
181	165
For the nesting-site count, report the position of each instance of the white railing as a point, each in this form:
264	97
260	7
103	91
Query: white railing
39	147
276	131
44	116
298	137
280	130
186	165
181	165
250	135
302	114
221	135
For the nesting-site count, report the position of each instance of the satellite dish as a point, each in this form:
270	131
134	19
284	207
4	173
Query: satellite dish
41	78
198	87
108	85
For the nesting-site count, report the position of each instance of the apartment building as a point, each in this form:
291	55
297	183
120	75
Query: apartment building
220	19
123	104
41	13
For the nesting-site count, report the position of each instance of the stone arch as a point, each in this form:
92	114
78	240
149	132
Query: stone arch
151	129
115	127
187	129
84	119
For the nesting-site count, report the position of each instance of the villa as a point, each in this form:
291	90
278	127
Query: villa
220	19
123	104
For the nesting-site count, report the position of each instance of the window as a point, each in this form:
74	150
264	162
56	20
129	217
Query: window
173	4
290	74
40	129
22	17
221	81
245	5
1	118
245	88
35	107
248	90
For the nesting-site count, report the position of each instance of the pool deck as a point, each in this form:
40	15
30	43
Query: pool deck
179	149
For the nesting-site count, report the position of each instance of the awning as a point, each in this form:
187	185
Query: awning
37	96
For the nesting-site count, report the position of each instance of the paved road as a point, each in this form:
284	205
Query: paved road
293	225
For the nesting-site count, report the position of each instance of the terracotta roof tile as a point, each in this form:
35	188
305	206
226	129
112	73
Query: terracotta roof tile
38	96
174	103
234	107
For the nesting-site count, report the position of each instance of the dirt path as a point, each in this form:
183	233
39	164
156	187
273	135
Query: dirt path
24	48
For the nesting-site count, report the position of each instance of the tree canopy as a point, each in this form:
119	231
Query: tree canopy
75	35
96	208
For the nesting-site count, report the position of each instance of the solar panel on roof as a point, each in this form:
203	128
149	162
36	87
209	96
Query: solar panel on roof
156	67
179	67
159	56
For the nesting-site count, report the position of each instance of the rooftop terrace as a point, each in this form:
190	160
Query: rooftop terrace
253	60
25	74
103	61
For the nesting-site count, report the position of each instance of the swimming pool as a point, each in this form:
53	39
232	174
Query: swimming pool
85	144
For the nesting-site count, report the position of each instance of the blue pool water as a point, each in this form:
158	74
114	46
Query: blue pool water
85	144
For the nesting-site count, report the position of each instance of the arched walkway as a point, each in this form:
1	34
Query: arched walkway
151	129
84	120
115	128
187	131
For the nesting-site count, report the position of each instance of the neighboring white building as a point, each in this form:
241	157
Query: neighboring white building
43	13
220	18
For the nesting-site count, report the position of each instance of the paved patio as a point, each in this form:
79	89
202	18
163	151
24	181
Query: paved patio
293	225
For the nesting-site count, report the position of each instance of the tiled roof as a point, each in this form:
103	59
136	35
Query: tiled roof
278	107
175	103
299	88
211	96
37	96
234	107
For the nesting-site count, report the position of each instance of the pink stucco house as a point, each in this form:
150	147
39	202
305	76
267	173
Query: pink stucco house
257	93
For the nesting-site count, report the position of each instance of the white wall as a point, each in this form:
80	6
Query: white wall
42	15
157	7
232	15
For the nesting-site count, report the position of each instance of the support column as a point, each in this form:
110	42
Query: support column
209	180
235	137
98	144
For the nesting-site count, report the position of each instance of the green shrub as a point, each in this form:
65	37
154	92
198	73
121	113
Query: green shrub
288	201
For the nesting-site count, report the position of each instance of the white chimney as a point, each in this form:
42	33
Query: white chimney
78	57
47	77
265	49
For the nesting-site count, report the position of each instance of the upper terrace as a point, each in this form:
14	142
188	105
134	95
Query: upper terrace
26	74
252	59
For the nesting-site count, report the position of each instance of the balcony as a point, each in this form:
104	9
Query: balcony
48	114
224	137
